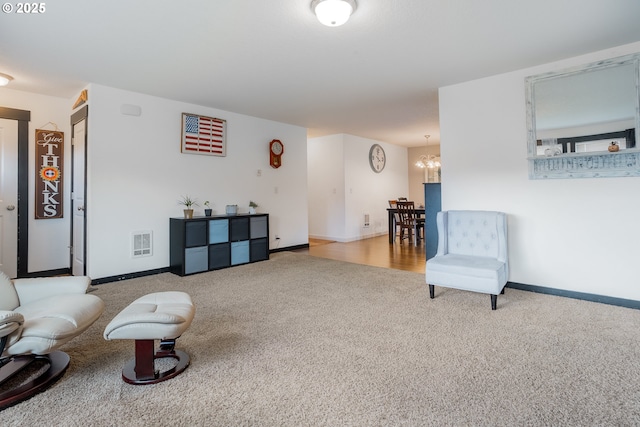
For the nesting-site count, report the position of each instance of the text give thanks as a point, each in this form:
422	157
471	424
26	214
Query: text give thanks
49	168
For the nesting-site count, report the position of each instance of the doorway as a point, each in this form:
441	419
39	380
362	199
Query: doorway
78	191
9	197
15	204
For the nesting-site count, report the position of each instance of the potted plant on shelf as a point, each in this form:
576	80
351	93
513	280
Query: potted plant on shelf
207	210
188	203
252	207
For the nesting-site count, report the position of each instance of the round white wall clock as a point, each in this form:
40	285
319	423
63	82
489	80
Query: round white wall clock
377	158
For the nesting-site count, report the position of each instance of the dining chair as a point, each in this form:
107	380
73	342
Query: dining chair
397	231
408	222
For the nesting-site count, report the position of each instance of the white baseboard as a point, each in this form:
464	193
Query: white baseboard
347	239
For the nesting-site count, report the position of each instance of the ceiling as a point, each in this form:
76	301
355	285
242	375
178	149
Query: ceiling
375	77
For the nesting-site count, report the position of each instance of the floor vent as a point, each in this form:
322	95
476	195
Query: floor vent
141	244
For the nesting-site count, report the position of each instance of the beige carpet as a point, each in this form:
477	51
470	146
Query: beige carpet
303	341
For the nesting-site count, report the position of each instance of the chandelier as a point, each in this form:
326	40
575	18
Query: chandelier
429	162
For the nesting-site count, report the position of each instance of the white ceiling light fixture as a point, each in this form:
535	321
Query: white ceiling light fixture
430	161
5	79
333	13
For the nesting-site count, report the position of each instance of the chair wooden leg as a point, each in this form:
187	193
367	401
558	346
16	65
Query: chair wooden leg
431	291
494	300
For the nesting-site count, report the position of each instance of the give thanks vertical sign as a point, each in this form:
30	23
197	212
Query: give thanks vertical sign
49	163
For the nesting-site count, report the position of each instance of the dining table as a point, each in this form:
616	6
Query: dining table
419	212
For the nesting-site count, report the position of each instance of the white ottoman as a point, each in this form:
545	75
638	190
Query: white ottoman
160	316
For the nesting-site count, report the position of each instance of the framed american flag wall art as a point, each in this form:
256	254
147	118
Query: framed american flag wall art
204	135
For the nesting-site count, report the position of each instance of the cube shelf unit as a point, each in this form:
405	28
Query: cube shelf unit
213	242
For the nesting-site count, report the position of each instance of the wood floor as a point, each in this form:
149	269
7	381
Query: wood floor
376	251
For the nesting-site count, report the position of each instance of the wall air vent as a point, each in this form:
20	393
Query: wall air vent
141	244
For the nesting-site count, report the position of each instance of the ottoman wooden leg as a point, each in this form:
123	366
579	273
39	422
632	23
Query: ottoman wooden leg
146	318
141	369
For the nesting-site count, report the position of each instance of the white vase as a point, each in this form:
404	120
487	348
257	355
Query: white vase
252	211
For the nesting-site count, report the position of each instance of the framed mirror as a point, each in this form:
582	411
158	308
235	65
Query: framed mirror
584	121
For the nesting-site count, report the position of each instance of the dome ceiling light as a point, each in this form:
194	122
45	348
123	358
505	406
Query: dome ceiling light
5	79
333	13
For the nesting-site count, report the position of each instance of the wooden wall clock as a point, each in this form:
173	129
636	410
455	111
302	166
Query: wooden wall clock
275	153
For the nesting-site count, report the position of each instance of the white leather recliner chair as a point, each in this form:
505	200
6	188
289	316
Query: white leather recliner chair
472	253
37	316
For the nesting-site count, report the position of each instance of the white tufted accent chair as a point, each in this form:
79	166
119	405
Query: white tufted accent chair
472	253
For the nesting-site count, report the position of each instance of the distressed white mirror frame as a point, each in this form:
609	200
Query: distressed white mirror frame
582	165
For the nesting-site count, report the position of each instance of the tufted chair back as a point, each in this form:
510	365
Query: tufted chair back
473	233
8	296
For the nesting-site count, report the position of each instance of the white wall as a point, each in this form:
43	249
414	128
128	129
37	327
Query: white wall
136	174
571	234
48	238
343	188
326	169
